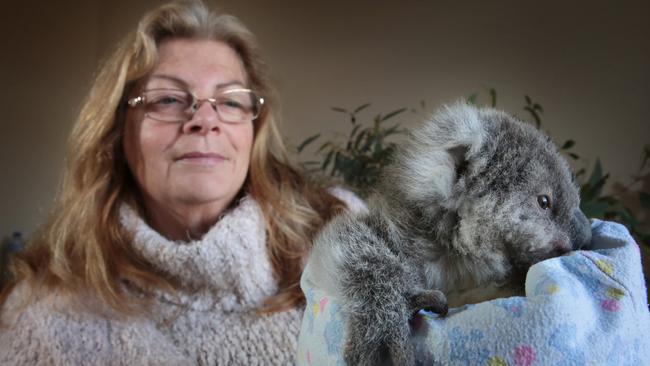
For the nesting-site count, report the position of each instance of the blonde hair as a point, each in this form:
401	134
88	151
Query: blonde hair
83	248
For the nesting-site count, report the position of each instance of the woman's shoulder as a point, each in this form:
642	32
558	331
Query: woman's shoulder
54	328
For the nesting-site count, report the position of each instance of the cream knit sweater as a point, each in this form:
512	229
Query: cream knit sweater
216	325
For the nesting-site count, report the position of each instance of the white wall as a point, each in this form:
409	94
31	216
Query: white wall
48	57
586	62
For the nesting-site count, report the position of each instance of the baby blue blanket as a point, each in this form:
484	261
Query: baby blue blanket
588	307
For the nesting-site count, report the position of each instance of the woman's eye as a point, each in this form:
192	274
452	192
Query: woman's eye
544	201
168	100
230	103
158	99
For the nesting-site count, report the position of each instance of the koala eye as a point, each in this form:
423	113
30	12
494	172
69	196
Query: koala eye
544	201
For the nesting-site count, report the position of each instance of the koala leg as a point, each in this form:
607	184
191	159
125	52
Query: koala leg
376	284
372	341
377	298
364	346
400	347
381	333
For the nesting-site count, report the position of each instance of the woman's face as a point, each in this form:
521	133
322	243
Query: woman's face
202	162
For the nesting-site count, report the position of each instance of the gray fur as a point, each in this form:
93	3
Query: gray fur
455	220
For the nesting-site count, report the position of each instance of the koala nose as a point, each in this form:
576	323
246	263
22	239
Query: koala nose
580	230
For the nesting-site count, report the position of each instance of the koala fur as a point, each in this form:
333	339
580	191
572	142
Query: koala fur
459	217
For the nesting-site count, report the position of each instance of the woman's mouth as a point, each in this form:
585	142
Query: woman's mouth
201	158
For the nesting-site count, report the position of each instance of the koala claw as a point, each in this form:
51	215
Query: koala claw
429	300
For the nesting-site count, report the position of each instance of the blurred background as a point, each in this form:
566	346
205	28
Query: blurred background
586	62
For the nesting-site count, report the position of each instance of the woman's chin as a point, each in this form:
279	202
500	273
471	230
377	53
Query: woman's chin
200	197
206	188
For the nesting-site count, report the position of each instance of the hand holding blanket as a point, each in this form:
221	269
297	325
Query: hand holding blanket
585	308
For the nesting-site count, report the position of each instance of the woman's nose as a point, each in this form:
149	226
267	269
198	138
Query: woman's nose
204	119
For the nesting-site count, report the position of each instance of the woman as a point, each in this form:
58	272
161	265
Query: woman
181	231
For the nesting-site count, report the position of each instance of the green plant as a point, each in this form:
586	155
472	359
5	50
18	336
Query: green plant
615	206
357	158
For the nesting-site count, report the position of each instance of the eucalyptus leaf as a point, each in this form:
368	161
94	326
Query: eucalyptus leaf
360	138
338	163
392	114
370	139
493	97
596	174
594	209
328	160
324	146
646	239
646	155
392	130
354	131
568	144
341	110
644	198
627	217
378	147
591	191
307	141
537	120
361	107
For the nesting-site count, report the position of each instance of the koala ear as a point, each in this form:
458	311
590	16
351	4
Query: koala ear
436	156
459	157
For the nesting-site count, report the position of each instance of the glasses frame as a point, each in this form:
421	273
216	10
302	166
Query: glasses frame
196	103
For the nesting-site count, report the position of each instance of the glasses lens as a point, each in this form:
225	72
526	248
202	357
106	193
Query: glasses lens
238	105
168	104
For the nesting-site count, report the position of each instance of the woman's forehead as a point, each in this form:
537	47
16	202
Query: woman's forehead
160	79
197	63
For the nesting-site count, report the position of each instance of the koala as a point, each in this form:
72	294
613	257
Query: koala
468	204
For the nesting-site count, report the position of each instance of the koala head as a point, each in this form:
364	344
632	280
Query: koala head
479	184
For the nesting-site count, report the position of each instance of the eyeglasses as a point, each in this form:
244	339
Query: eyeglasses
176	105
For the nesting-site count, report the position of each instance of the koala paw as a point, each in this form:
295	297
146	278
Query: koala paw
429	300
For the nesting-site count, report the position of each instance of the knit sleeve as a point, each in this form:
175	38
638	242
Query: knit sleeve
46	333
20	341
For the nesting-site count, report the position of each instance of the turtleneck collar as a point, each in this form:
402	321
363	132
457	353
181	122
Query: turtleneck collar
229	265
